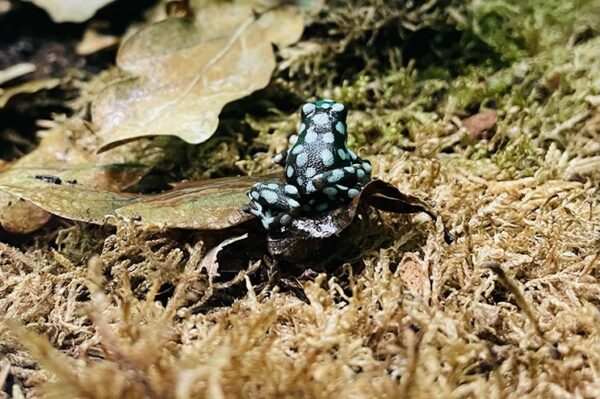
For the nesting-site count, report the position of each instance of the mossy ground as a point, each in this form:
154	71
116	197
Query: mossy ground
510	309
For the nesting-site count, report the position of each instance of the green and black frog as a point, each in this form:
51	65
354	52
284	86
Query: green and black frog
321	172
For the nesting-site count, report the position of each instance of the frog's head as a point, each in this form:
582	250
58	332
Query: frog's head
334	111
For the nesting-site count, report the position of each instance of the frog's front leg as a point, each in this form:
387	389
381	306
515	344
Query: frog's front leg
275	204
345	182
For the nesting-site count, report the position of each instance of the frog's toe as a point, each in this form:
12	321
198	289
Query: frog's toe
336	183
285	219
363	171
291	191
353	192
274	222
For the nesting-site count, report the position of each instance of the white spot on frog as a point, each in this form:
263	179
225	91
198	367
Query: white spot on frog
337	107
302	159
336	175
293	203
327	157
311	136
289	189
308	108
321	119
298	149
328	138
269	196
352	193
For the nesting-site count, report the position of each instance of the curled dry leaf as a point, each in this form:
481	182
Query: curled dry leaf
71	10
311	238
210	262
185	70
19	216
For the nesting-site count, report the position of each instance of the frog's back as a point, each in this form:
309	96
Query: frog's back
321	145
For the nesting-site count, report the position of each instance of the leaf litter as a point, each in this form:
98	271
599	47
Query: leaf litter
510	309
183	70
38	178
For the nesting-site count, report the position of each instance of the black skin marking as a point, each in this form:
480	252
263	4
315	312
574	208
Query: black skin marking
49	179
321	172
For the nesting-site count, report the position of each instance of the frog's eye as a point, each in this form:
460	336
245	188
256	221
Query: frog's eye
337	107
339	110
308	109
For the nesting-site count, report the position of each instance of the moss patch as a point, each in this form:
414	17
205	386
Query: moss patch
509	309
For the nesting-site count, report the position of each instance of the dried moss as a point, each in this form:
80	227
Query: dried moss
510	309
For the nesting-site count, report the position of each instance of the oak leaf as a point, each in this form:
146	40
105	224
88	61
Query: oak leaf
184	70
71	10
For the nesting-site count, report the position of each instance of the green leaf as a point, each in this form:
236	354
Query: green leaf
202	205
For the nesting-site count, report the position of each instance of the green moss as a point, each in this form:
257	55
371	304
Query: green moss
518	29
520	157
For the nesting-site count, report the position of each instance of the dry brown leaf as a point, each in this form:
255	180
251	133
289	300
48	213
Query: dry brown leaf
204	205
210	261
186	69
71	10
476	125
58	156
415	275
60	195
19	216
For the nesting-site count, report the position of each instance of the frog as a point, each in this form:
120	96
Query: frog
321	172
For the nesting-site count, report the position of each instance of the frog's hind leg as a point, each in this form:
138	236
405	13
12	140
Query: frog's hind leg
343	184
274	204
